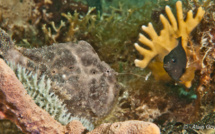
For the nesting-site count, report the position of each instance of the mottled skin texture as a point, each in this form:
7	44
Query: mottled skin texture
79	77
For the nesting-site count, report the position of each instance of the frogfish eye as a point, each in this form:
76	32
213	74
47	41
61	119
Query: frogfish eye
173	60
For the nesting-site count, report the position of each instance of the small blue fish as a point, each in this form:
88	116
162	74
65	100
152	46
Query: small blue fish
175	62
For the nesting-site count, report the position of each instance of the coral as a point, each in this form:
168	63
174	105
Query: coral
161	45
24	20
76	24
127	127
49	37
102	32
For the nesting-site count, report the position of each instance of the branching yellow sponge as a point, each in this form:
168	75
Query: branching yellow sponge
161	45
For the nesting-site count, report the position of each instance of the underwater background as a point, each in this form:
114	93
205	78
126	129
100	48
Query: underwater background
112	27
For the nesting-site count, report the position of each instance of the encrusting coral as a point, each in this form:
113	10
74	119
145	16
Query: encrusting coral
161	45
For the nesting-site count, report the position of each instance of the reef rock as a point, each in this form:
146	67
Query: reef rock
127	127
86	84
